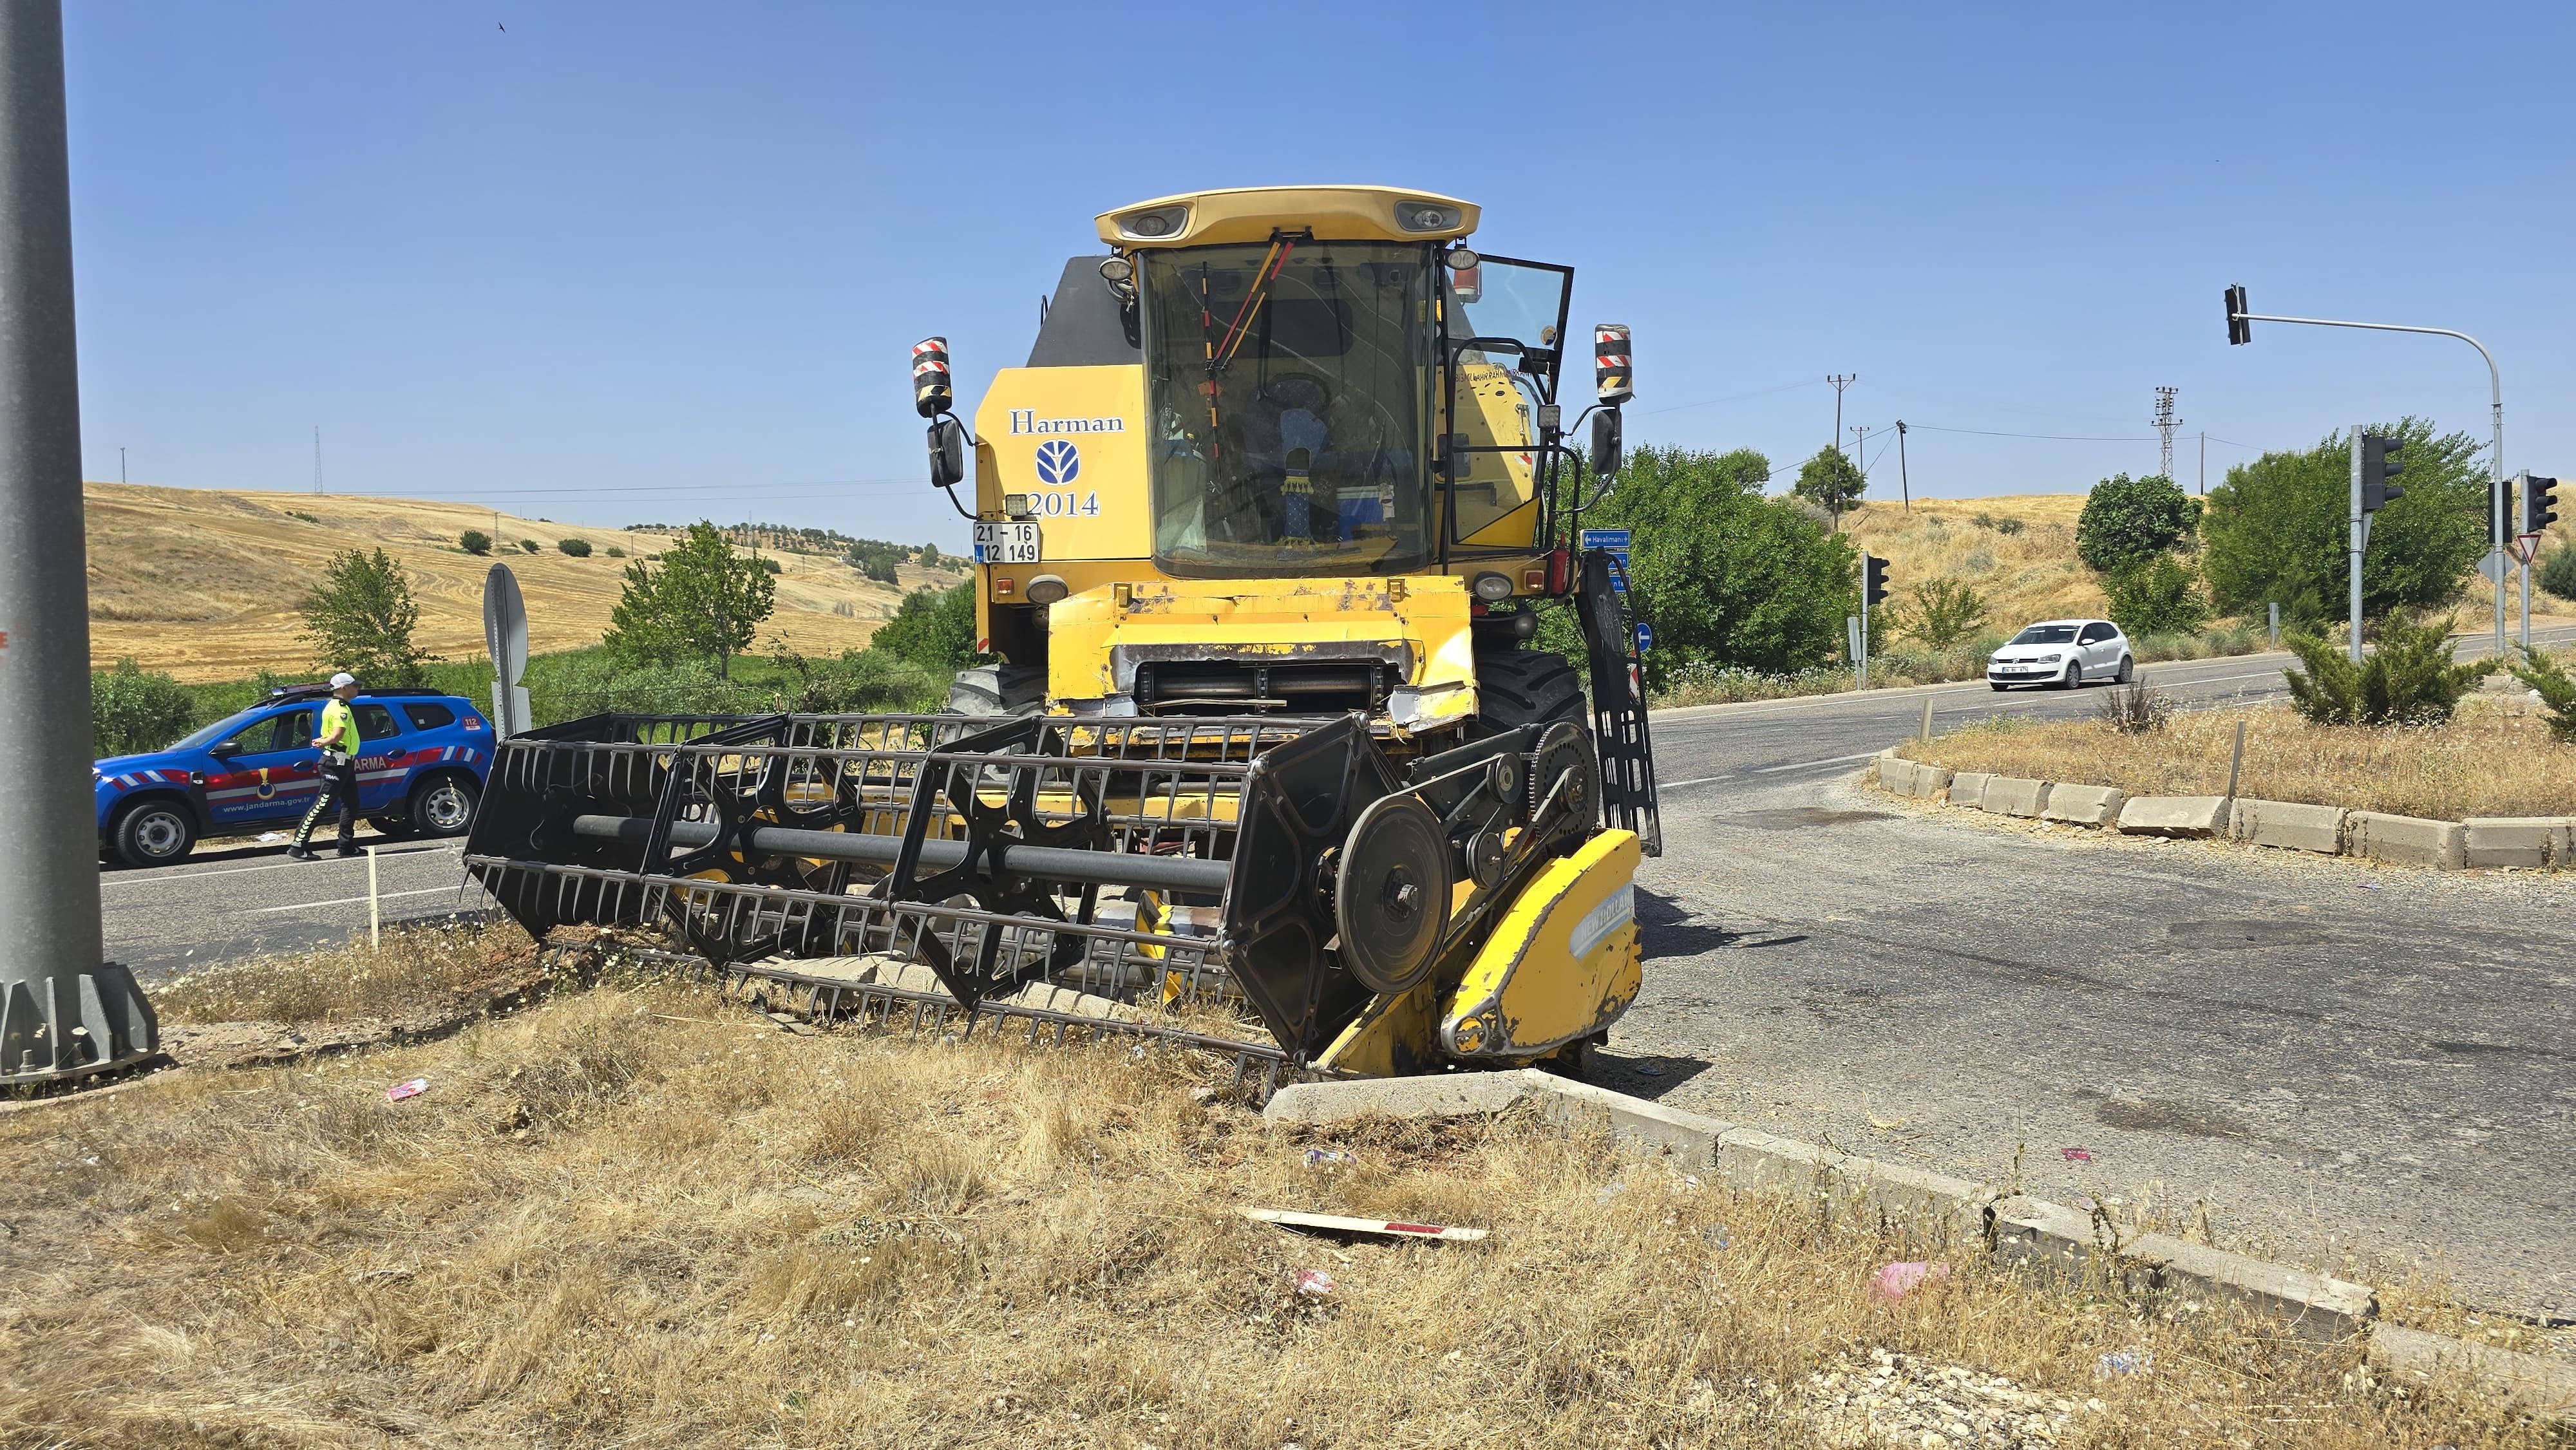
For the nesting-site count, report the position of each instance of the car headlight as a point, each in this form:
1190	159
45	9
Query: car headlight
2050	659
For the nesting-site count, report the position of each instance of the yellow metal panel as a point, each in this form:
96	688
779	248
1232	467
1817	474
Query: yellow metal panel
1074	440
1252	213
1495	493
1562	965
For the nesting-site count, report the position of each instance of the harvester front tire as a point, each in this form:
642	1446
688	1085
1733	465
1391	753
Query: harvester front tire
998	690
1527	687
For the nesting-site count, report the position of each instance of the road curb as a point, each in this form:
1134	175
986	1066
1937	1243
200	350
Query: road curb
1935	1210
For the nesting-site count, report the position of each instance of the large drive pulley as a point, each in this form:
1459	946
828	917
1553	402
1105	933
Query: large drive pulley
1391	893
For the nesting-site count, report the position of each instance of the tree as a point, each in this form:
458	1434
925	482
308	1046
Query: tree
360	619
529	546
2557	572
1945	612
704	600
132	711
930	556
576	548
474	541
2130	520
1832	480
2156	595
1725	576
2275	530
934	628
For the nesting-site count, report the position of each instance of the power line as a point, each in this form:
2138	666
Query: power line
2055	437
1730	398
2165	424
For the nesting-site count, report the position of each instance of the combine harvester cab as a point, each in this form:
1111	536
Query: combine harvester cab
1265	764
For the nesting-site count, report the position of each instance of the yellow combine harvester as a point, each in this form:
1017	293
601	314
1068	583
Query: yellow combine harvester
1260	535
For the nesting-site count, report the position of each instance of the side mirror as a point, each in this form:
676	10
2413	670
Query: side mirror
947	452
1605	443
224	749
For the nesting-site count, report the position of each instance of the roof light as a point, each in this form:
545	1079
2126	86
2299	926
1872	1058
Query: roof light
1154	225
1427	216
1115	270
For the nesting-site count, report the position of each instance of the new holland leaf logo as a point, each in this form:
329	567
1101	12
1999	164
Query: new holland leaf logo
1059	463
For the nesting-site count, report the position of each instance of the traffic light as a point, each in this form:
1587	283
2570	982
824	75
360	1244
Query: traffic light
2379	463
2539	503
1873	574
2238	329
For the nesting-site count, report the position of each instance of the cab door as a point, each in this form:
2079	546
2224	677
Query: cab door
382	760
268	770
1504	335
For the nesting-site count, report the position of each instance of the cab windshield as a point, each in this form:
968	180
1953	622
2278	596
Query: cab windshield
1289	387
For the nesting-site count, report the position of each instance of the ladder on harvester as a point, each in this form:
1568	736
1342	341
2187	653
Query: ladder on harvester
1618	701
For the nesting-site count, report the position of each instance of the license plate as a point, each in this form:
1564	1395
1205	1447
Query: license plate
1006	543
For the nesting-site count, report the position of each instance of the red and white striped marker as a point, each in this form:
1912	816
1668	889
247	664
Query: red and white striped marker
1387	1228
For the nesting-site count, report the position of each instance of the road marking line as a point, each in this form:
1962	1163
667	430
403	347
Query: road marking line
144	878
350	900
1804	764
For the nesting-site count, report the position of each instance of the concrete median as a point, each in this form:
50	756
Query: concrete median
2289	826
2407	840
1931	782
2084	805
2008	795
2530	843
1968	788
2186	816
1896	773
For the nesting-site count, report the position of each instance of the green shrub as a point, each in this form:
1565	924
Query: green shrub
770	565
576	548
933	628
529	546
474	541
2008	527
2557	572
1945	611
2409	678
132	711
2127	521
2160	595
301	514
615	552
2550	679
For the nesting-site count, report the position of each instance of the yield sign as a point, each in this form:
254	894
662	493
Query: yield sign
2526	546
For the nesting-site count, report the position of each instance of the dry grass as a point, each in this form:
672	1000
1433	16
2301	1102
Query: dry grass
2490	760
638	1217
203	582
418	968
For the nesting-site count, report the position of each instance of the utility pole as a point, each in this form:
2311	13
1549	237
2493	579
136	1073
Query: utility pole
120	464
317	460
65	1012
2204	463
1860	450
1840	382
1903	486
2360	534
2240	329
2166	422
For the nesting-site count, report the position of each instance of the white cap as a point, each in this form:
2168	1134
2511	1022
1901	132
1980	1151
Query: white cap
343	680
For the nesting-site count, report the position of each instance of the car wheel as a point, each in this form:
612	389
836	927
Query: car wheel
1999	686
392	828
2128	670
155	833
2074	677
444	805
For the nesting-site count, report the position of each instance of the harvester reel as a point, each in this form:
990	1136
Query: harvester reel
1391	893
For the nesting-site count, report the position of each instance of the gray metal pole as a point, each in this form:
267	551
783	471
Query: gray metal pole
2522	490
2495	395
2360	521
63	1013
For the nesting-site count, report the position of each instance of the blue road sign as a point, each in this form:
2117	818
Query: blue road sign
1645	636
1615	543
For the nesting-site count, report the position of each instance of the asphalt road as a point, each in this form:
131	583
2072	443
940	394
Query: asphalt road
2326	1057
239	900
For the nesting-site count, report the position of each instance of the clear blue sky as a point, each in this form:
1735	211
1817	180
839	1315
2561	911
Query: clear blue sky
636	261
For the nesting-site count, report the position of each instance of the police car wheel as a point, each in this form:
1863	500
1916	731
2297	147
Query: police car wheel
154	834
445	806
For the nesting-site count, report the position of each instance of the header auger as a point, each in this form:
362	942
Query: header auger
1264	762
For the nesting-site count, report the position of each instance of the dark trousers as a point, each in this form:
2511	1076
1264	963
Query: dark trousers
340	788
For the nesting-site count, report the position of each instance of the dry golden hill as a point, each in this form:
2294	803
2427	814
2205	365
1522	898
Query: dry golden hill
2033	573
203	582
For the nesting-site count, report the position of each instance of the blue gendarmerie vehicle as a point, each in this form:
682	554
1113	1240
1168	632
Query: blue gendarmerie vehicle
421	766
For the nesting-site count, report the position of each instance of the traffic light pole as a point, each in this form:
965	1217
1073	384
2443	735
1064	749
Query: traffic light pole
2495	389
2360	545
64	1013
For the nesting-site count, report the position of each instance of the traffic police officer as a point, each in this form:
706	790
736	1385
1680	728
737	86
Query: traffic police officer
339	771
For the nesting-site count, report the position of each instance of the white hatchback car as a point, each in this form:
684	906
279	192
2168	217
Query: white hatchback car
2064	653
